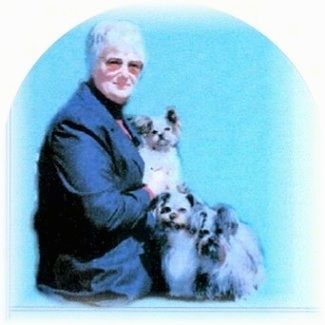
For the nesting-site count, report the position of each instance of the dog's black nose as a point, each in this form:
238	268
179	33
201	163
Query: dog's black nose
213	240
172	216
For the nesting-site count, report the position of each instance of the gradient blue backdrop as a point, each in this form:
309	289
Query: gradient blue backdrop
247	119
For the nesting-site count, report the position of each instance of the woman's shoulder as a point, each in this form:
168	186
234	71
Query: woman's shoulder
83	109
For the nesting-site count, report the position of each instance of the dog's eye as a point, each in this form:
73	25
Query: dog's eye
165	210
182	210
218	231
154	131
167	128
204	232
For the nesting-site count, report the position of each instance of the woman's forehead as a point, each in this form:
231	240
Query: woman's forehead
121	52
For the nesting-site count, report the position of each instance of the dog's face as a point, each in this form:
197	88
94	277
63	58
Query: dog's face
216	227
160	133
174	210
209	244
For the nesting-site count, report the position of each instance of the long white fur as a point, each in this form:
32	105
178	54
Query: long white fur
242	271
168	161
239	270
180	264
160	136
179	257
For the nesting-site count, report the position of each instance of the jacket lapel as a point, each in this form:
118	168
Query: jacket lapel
120	142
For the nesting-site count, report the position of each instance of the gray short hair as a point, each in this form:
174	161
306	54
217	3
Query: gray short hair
113	34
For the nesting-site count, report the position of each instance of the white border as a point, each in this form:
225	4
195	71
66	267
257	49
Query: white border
28	28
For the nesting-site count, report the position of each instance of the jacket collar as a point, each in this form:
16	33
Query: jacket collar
93	101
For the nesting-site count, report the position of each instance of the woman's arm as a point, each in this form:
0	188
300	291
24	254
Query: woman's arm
86	168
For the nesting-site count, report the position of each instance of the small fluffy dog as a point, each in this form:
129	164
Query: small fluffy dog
205	253
231	264
160	137
177	232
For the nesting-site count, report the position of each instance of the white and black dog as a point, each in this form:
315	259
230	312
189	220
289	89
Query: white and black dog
205	253
231	265
177	229
159	150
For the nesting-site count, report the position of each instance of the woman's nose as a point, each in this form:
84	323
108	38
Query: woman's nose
124	70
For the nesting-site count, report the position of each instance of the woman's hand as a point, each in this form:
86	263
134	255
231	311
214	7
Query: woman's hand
158	181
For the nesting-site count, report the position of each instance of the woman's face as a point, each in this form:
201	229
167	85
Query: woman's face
116	73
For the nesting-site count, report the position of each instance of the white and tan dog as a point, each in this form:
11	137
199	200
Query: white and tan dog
178	233
231	258
159	151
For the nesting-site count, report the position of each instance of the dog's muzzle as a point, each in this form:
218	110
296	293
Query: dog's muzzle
210	247
162	142
172	225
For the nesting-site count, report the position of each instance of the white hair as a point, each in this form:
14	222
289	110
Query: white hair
118	34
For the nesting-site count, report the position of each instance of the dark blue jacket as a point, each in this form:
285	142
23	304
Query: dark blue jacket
91	221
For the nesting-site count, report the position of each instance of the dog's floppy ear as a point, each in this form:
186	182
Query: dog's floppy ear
198	217
159	199
194	202
171	115
173	118
163	197
143	124
191	199
227	219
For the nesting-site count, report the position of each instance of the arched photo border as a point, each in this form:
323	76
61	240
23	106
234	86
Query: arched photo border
311	72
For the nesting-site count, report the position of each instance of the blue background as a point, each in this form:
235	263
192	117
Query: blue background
247	119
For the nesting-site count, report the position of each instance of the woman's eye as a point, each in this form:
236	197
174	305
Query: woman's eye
113	64
135	67
114	61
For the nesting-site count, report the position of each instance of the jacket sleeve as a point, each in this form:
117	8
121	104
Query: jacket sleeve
85	165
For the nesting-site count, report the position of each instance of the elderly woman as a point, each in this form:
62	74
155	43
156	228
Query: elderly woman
92	218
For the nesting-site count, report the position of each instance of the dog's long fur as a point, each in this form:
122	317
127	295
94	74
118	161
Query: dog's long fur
159	151
231	258
206	253
178	236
